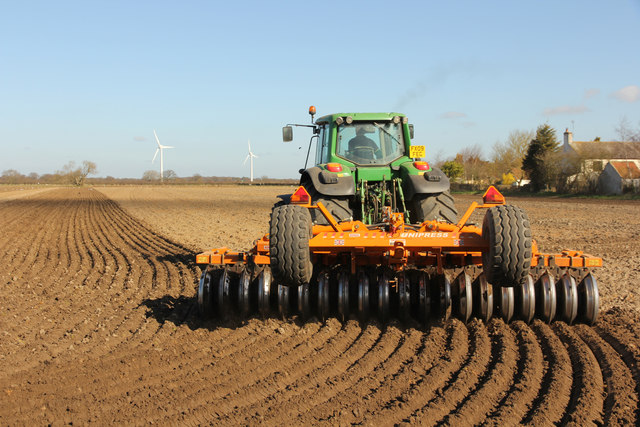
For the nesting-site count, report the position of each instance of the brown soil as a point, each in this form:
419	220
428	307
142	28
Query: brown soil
98	323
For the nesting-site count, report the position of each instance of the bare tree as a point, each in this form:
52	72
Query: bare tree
476	169
626	132
170	174
12	176
507	156
77	175
151	175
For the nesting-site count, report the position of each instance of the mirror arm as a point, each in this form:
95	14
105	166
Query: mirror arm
308	151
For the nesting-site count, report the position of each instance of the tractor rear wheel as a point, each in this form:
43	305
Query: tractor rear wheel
338	206
508	260
437	206
289	235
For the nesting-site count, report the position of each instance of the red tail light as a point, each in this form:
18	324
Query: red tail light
334	167
420	165
493	196
300	196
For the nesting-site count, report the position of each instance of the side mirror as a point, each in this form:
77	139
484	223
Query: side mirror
411	131
287	134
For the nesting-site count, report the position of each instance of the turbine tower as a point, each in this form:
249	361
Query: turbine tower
160	148
250	157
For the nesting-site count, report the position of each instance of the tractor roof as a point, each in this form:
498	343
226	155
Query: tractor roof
358	116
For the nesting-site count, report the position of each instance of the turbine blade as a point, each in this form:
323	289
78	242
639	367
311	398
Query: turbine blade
157	140
245	160
154	156
166	146
249	144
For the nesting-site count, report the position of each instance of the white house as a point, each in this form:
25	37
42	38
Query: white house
610	165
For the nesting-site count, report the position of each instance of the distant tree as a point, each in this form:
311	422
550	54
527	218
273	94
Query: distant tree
471	160
508	178
12	176
151	175
170	174
541	163
507	156
626	132
452	169
77	175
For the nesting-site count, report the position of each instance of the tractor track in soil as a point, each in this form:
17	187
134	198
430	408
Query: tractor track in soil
98	323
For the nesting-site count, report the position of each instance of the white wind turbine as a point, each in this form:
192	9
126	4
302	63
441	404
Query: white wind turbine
160	148
250	157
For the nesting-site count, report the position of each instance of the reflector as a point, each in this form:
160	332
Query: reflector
493	196
300	196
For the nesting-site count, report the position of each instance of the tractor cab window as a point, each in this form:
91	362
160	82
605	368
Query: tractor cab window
322	145
370	143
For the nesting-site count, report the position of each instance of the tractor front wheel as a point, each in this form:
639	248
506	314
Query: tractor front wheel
508	259
289	235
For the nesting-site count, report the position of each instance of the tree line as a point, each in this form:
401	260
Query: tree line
534	157
70	174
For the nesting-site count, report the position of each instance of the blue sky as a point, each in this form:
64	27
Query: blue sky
90	80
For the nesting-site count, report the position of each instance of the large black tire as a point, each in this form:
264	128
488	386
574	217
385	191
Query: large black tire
508	260
289	234
436	206
338	206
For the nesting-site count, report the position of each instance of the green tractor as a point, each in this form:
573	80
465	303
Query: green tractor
365	162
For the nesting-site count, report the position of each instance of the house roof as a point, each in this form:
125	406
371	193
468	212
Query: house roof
626	170
607	149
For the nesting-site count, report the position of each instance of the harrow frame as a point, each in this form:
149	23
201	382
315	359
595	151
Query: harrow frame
397	245
419	270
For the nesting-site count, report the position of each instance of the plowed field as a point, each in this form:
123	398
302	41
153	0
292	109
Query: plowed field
98	323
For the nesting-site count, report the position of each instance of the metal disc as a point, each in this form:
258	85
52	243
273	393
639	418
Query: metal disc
304	304
283	301
243	292
464	296
343	295
483	298
526	299
222	293
506	303
323	295
383	297
363	296
567	298
204	294
264	291
404	296
589	300
424	297
442	300
546	300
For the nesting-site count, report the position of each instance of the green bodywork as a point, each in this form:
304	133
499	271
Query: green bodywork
397	168
364	160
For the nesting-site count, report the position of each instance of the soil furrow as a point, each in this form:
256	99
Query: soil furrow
528	379
553	397
439	373
621	395
493	385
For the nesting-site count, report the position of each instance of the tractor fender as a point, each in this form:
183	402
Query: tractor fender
433	181
329	183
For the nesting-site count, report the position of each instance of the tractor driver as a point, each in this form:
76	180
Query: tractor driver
363	146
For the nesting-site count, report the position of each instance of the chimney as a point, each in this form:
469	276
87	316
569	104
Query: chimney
568	139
